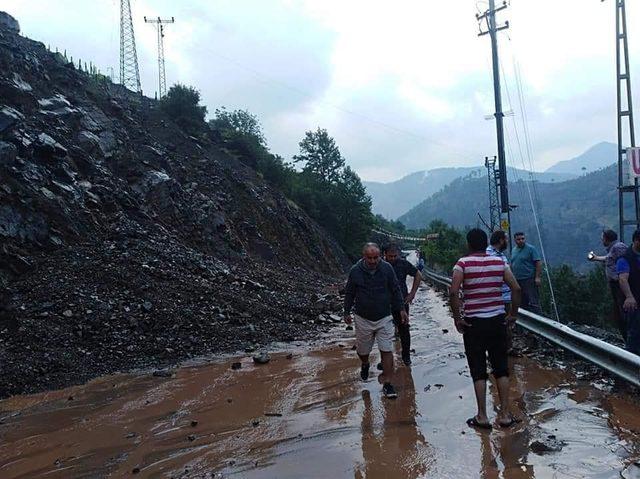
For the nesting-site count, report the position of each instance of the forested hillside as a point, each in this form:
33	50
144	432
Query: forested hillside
571	214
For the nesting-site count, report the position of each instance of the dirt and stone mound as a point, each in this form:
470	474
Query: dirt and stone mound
125	241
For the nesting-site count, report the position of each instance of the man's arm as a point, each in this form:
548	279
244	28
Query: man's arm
454	300
630	303
417	279
397	302
349	295
516	293
538	277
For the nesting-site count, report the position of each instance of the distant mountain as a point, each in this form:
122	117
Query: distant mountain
599	156
396	198
571	214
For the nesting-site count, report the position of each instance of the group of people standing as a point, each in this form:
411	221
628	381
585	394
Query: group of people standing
622	268
485	296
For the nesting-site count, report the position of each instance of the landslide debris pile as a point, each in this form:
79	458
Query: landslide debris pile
125	242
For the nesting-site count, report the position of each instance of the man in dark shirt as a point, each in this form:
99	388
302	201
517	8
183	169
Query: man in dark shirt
373	291
628	269
403	268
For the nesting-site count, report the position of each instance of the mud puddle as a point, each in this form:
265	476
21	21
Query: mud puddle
306	414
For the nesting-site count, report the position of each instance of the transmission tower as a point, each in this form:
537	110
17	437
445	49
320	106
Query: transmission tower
162	77
626	136
494	198
129	72
492	29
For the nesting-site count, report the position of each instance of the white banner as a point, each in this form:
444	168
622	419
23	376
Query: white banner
633	157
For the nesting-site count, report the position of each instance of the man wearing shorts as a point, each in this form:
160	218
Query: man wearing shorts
374	293
483	322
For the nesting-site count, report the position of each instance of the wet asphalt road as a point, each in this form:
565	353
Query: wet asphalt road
309	416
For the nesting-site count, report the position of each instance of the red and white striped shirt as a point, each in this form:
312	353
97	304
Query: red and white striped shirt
483	276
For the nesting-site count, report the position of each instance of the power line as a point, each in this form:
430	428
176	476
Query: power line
162	76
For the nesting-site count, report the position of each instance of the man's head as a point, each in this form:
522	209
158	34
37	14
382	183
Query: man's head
609	237
520	239
392	253
636	240
477	240
499	240
371	255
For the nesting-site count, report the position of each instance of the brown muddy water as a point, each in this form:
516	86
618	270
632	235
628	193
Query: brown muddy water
309	416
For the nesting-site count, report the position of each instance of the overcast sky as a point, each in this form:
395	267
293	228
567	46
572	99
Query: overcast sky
402	86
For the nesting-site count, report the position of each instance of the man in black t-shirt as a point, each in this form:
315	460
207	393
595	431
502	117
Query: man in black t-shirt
403	268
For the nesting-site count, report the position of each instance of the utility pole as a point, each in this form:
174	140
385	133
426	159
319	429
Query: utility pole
625	114
489	18
494	196
162	77
129	72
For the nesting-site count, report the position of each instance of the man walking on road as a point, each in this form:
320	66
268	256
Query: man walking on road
374	293
615	250
628	269
527	269
403	268
484	323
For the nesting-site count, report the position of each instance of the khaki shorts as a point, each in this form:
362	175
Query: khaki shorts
367	332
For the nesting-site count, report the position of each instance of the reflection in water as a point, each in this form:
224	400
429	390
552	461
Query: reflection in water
393	446
507	450
303	416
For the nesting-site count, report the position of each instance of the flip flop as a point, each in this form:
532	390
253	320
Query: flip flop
473	422
512	421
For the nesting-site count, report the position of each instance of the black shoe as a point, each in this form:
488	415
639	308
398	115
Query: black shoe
389	391
379	366
406	360
364	372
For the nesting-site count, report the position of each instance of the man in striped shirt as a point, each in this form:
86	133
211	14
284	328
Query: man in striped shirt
483	322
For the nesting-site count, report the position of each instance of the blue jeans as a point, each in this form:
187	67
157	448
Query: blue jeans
632	341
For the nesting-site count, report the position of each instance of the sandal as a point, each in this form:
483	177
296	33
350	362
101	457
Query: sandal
473	422
512	421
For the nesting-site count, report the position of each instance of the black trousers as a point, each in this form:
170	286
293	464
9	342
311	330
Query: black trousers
486	336
403	332
618	314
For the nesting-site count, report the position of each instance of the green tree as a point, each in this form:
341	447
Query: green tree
320	156
580	298
442	252
182	104
354	211
240	122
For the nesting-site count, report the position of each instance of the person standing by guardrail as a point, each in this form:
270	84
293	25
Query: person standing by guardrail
527	268
628	269
497	246
483	323
615	250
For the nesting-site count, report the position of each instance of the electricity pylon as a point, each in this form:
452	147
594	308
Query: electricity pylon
129	72
162	76
626	136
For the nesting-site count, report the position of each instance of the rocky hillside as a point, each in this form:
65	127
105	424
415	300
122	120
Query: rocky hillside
126	242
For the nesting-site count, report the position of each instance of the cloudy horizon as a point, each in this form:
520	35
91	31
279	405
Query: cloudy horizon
402	88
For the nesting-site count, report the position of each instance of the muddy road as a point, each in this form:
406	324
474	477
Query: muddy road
307	415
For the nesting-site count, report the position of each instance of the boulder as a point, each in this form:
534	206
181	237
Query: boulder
9	23
9	117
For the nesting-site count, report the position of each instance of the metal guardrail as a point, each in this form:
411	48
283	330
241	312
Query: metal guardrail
611	358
